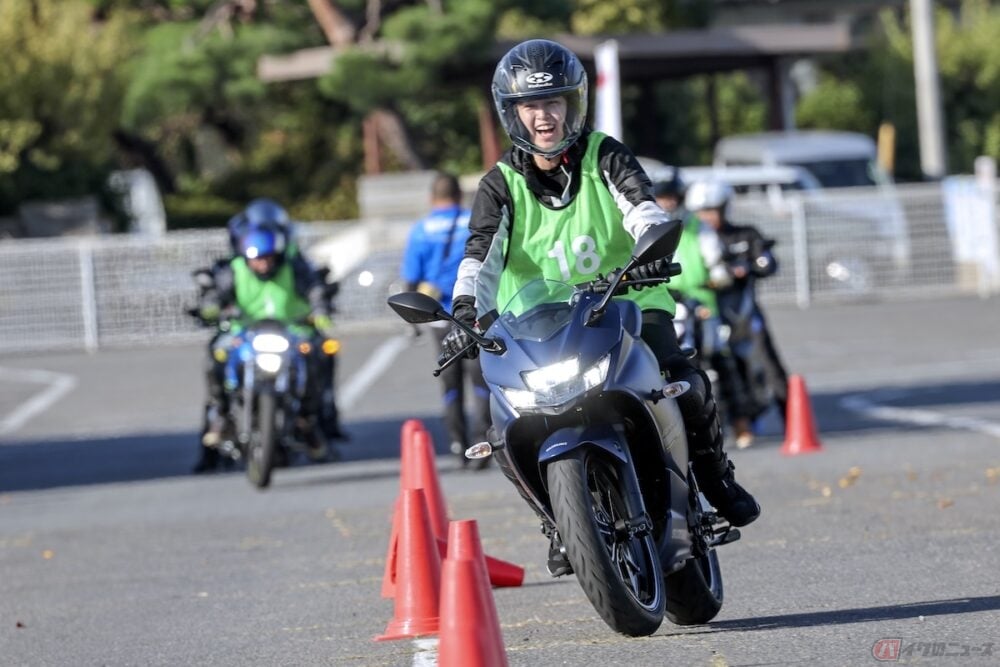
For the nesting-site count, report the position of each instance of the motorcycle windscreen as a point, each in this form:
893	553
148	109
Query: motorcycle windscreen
539	309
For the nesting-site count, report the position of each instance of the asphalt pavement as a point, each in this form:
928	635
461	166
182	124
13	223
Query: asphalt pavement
112	554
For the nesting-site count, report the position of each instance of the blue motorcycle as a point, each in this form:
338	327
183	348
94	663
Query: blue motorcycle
590	434
267	375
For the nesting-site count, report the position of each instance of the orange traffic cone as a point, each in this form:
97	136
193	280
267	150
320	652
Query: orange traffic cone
406	452
800	428
410	426
470	627
501	573
420	472
418	572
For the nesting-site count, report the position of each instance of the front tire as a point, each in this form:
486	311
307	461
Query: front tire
694	593
620	574
260	457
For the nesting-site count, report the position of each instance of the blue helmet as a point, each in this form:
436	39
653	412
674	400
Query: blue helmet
259	242
266	211
260	211
237	227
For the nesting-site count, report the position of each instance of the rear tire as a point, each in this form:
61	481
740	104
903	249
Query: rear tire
260	457
622	578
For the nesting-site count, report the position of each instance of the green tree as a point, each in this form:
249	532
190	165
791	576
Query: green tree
858	94
60	93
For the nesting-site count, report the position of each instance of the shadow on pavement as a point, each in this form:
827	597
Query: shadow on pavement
834	419
967	605
36	465
26	466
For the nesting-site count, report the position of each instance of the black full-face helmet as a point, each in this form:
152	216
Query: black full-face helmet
537	69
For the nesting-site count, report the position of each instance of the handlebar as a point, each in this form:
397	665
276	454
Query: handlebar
601	284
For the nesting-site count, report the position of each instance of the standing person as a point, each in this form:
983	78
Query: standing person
430	264
566	203
748	255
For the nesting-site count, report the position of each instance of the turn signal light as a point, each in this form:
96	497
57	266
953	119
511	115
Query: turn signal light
305	347
331	346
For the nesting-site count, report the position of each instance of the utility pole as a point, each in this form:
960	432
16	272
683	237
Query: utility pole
929	114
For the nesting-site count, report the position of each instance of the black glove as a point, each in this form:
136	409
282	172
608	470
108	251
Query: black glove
464	310
659	268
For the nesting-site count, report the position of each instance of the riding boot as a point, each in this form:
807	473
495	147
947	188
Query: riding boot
714	470
208	461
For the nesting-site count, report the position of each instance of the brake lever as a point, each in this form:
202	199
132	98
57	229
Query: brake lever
452	360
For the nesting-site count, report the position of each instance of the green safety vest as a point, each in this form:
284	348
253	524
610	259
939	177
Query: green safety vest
693	281
572	244
268	299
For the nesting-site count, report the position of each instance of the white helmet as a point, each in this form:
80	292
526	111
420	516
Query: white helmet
708	194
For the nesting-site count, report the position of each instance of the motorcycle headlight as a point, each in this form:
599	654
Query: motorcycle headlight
554	385
269	362
270	343
680	311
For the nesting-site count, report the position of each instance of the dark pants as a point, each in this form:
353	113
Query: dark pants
463	431
697	405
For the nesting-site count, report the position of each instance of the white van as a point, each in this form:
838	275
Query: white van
835	159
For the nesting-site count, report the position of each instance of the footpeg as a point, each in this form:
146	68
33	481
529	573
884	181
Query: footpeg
724	536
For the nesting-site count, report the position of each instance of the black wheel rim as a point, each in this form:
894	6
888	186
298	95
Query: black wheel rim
630	555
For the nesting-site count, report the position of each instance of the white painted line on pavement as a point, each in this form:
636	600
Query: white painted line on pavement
860	404
59	384
425	652
373	369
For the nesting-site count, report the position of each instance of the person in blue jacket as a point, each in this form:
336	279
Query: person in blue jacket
434	250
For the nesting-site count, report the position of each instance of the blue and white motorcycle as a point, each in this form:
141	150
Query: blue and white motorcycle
589	432
267	375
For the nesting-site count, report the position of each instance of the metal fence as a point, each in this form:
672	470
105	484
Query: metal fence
113	291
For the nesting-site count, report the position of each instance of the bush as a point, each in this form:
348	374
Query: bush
198	211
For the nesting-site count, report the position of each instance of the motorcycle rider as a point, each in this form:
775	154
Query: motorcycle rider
264	211
262	282
748	255
565	203
430	264
700	249
700	252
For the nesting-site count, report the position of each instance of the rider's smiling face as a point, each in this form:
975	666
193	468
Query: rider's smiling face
545	120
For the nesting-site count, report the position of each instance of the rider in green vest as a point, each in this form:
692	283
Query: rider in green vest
262	282
567	203
700	251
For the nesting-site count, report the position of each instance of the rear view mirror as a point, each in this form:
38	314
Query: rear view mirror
657	242
417	308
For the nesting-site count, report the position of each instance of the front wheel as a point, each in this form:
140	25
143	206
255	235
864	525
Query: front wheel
618	569
260	457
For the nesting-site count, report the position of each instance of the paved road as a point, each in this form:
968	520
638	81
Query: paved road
110	554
